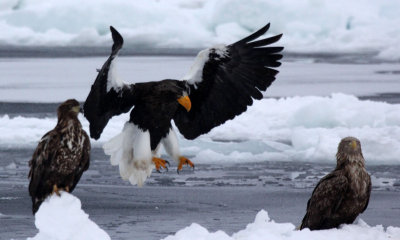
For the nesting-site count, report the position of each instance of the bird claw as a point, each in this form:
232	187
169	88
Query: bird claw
56	190
184	161
160	163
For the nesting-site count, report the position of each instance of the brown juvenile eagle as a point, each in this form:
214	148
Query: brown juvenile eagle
343	194
61	156
222	82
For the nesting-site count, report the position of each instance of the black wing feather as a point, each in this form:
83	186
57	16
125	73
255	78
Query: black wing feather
229	83
101	105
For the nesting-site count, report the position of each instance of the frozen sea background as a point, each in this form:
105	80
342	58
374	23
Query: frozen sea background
340	77
309	26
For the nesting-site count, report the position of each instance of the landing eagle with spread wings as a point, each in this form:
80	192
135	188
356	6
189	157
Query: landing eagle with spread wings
220	85
61	156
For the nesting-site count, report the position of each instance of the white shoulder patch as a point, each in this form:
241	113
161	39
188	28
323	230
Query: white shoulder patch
113	80
195	75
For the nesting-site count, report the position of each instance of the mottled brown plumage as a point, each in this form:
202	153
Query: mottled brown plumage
343	194
61	156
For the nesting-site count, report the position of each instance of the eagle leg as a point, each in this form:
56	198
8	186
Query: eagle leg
160	163
56	190
184	161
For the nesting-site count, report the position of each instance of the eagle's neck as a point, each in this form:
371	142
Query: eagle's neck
345	159
353	167
68	123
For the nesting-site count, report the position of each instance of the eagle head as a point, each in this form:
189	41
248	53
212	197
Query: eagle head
349	150
70	108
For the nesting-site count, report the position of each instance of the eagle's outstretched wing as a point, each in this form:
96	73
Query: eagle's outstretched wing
224	80
109	96
325	201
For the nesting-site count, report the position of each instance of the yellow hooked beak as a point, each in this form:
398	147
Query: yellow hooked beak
76	109
185	102
354	144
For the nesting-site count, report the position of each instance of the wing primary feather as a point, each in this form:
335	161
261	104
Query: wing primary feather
254	35
265	41
117	39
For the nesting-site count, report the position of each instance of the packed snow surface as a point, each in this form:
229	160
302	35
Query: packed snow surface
360	26
62	218
291	129
264	228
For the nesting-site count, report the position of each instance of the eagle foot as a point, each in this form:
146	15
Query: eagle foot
184	161
56	190
160	163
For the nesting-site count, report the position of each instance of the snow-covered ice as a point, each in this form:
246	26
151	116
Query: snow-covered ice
360	26
264	228
62	218
293	128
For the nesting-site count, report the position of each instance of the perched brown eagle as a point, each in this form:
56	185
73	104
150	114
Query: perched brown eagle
61	156
221	84
343	194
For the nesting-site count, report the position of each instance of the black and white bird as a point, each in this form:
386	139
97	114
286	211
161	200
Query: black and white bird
343	194
220	85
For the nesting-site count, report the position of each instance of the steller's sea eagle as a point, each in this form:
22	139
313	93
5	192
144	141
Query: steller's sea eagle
61	156
220	85
343	194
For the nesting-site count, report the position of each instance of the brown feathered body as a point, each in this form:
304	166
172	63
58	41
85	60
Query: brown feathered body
61	156
343	194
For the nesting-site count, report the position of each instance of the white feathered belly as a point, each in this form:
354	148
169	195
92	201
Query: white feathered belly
132	152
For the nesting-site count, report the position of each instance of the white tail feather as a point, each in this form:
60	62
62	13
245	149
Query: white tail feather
131	151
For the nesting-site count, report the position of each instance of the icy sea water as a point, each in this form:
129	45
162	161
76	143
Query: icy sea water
217	195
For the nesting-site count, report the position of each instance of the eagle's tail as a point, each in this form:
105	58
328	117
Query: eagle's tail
131	151
36	204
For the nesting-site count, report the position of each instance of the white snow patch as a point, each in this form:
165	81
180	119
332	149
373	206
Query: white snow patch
382	182
62	218
11	166
264	228
8	198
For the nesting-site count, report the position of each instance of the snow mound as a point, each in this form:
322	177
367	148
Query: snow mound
264	228
62	218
